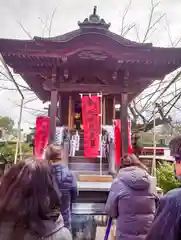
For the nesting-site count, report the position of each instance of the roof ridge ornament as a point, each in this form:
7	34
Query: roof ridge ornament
95	10
94	21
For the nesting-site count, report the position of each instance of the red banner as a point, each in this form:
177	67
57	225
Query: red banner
41	136
91	124
117	142
117	139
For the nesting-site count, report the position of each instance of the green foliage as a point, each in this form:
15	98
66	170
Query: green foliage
7	151
166	177
30	137
6	123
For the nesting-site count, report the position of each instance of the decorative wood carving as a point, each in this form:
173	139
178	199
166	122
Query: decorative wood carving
72	87
93	55
118	68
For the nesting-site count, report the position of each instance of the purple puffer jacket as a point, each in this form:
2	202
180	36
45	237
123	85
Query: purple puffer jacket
132	203
68	187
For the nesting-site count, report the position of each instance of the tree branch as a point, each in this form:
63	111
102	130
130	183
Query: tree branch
22	86
24	29
51	20
152	95
124	17
152	24
138	112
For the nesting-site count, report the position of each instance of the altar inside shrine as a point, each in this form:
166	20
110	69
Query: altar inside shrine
72	104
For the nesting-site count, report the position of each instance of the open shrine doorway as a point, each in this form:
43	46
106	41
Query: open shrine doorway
75	121
75	110
77	115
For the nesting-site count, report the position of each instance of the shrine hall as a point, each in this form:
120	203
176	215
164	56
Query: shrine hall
89	61
88	76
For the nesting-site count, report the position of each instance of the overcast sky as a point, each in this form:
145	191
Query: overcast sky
34	13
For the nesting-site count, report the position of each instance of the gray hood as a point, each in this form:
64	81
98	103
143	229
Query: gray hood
134	177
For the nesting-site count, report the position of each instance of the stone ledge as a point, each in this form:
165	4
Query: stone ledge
95	178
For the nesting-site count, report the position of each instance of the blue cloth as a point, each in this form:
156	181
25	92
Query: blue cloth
167	222
67	184
108	229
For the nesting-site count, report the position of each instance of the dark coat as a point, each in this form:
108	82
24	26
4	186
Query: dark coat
132	202
167	222
68	187
53	231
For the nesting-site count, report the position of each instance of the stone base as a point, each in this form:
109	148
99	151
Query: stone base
95	178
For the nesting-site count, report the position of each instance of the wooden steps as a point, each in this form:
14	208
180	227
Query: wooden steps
88	173
81	159
86	166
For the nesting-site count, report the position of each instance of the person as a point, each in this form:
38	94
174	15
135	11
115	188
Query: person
65	179
131	200
137	145
28	204
167	221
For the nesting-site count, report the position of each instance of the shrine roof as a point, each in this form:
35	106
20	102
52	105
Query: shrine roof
90	48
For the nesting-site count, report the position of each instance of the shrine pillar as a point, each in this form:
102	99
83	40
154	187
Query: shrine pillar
109	106
53	114
124	123
63	108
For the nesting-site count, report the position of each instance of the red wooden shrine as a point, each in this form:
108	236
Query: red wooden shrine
90	59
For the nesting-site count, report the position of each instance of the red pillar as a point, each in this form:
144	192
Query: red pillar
124	123
53	113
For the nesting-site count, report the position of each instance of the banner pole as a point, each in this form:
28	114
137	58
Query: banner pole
100	95
154	143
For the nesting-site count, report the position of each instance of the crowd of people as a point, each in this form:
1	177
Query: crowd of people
36	198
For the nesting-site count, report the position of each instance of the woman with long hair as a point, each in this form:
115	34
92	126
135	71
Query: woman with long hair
131	200
29	203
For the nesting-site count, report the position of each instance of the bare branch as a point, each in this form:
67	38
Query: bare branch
152	24
124	17
138	112
45	25
168	31
137	33
176	100
24	29
132	110
128	29
169	85
151	96
28	109
51	20
25	88
173	43
177	42
152	29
